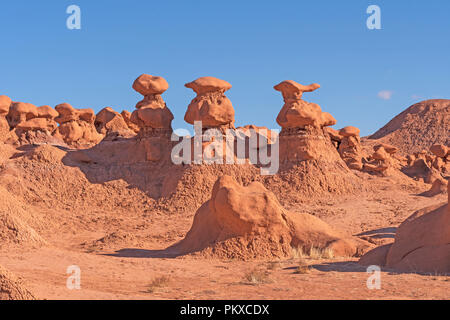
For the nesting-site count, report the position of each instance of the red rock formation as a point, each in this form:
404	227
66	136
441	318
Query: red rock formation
21	112
76	126
248	222
152	111
428	168
210	106
153	117
126	115
111	124
383	161
439	186
418	127
422	244
350	147
31	124
5	103
440	150
302	136
441	161
334	135
297	113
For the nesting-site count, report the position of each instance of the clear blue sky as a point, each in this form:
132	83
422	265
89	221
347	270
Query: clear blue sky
252	44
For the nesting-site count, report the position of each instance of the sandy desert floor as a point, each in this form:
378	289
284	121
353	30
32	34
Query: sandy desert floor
121	271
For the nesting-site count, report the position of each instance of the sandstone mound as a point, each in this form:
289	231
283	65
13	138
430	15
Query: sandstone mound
13	228
248	222
422	244
419	127
12	288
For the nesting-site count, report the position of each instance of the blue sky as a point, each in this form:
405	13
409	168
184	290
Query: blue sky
251	44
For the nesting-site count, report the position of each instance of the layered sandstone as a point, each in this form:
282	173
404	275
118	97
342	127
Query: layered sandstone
302	136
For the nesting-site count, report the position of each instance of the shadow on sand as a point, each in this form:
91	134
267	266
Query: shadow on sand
382	233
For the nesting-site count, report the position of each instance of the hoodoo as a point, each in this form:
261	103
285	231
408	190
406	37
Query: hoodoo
210	106
302	136
153	117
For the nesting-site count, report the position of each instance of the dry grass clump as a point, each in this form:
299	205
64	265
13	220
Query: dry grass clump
257	277
312	253
303	269
158	283
301	256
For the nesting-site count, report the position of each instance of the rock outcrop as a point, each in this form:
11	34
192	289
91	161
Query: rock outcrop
112	125
126	115
20	112
422	244
153	117
350	147
76	126
441	159
428	167
31	124
248	222
152	112
382	161
5	103
302	136
210	106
